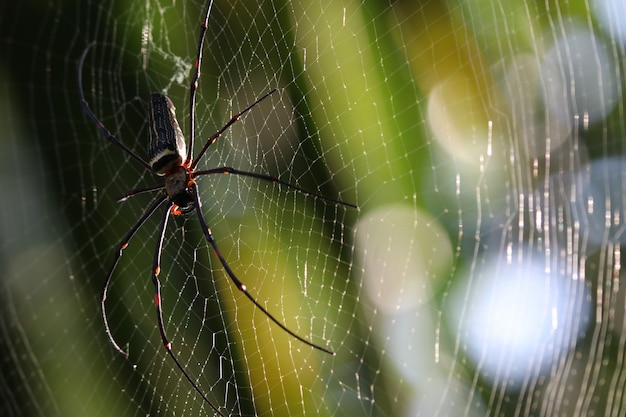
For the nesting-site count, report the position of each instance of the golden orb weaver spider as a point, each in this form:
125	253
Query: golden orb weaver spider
168	157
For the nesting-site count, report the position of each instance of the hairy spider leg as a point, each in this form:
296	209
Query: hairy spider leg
269	178
194	84
118	254
107	133
217	134
240	285
136	191
156	268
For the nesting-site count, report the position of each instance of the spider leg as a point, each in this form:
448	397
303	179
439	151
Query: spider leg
194	83
159	312
236	117
240	285
118	254
264	177
110	137
136	191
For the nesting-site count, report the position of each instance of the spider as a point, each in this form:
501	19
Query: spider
168	157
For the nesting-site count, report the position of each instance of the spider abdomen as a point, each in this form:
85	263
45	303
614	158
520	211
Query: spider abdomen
166	143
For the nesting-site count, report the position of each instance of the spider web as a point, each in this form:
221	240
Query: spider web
481	274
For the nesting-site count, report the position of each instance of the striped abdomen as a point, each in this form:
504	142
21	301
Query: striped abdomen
166	143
